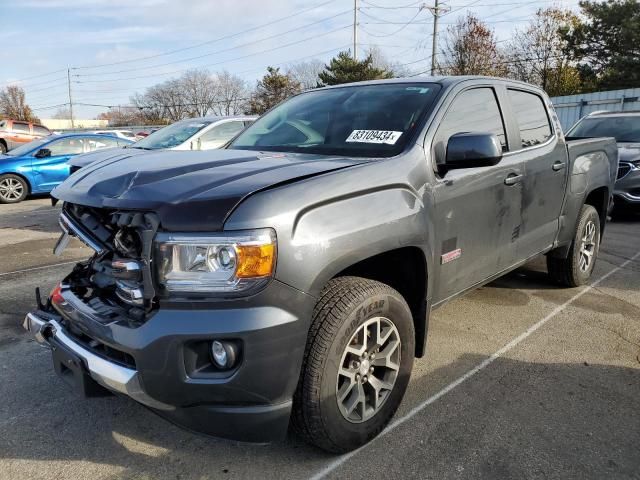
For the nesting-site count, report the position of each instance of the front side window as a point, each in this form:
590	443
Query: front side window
365	120
172	135
473	111
223	133
40	131
531	116
93	143
66	146
624	128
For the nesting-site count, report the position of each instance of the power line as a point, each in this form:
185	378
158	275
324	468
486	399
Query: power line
209	42
404	25
218	51
297	42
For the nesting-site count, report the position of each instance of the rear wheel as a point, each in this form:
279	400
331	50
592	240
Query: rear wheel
13	189
576	269
357	364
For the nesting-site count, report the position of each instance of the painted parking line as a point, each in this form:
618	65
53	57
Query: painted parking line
335	464
15	272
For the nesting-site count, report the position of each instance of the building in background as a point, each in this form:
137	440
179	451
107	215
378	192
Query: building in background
571	108
65	124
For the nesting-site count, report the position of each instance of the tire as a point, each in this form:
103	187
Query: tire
3	148
349	307
13	188
573	271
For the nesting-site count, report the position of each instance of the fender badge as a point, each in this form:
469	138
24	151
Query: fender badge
450	256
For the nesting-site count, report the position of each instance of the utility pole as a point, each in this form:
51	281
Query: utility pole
70	100
355	29
434	48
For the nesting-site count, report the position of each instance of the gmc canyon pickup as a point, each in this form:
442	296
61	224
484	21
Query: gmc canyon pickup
289	278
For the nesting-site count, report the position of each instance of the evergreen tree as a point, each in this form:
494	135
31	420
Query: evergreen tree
271	90
344	69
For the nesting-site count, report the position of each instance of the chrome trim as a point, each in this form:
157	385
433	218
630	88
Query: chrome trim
627	165
108	374
71	228
128	293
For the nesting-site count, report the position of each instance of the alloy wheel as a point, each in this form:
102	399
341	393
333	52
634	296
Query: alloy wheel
587	246
11	189
368	369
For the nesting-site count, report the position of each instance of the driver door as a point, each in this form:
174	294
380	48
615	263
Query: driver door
478	211
52	170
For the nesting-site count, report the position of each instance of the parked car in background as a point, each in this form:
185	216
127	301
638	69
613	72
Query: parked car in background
625	128
14	133
38	166
204	133
126	134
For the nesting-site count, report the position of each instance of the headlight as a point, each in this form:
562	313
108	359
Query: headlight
229	262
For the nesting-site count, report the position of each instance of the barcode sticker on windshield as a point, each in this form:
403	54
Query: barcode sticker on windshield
374	136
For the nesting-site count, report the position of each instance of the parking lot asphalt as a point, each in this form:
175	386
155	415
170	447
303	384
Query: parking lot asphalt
522	379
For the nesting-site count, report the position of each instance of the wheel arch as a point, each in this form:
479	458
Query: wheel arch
405	269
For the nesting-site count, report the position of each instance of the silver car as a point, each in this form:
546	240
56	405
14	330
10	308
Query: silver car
625	127
203	133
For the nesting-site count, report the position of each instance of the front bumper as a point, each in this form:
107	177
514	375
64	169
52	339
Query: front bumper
627	188
253	403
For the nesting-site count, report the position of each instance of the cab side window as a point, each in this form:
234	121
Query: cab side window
531	116
92	143
475	110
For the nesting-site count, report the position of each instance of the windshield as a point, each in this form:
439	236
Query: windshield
360	120
171	135
625	128
28	147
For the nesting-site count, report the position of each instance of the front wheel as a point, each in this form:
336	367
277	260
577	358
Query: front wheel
576	269
13	189
357	364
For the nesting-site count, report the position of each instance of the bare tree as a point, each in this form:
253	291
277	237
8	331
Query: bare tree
306	73
198	91
62	114
381	61
13	104
232	94
470	48
537	52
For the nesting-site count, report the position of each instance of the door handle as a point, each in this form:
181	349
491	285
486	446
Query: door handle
557	166
512	179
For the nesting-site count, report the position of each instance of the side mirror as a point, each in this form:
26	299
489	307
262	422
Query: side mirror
468	150
43	153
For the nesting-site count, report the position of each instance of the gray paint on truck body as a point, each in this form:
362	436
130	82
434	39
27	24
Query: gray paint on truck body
329	214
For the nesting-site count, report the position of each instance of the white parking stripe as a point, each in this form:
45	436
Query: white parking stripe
417	409
15	272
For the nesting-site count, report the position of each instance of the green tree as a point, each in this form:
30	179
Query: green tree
344	69
271	90
607	44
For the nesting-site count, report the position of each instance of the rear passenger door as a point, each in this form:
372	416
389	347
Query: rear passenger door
477	213
544	158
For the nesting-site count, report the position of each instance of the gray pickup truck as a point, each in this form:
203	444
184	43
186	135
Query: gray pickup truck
289	278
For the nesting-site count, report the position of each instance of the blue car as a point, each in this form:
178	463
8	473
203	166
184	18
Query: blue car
39	166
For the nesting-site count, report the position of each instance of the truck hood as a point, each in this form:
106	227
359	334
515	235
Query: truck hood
628	152
190	191
104	154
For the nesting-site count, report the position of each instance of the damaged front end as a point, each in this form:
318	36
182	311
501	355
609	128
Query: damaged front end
117	281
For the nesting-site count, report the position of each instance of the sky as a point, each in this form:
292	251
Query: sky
115	48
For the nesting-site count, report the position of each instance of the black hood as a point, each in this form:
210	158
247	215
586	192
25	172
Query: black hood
628	152
190	191
104	154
